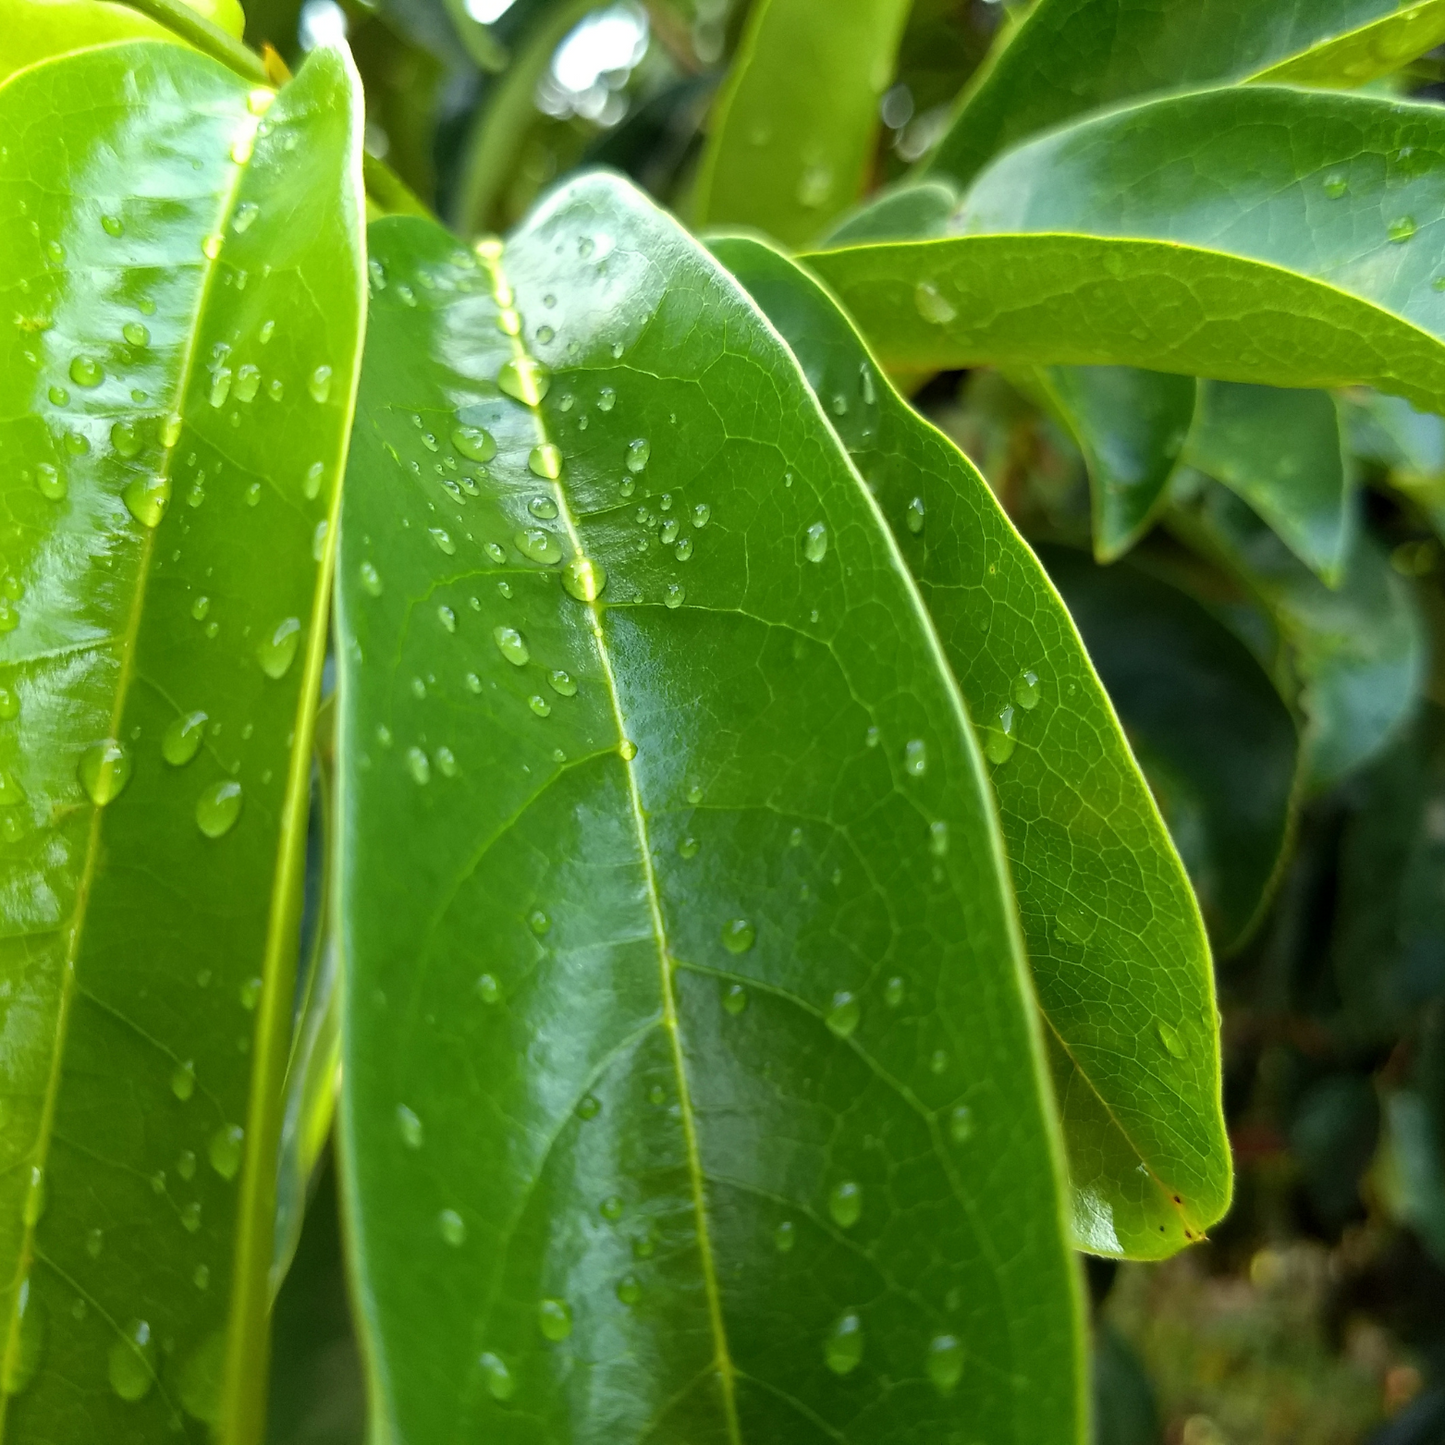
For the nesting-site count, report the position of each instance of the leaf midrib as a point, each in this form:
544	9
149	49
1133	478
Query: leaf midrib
722	1357
68	983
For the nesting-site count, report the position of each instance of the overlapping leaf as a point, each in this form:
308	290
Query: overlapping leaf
1118	953
182	265
691	1087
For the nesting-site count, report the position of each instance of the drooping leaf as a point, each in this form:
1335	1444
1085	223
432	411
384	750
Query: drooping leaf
1113	934
1212	735
1283	452
1359	650
1069	57
691	1088
792	133
1255	234
1131	426
184	266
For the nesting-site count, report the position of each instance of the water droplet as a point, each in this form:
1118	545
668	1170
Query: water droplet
525	379
418	765
474	443
191	1217
611	1208
125	438
9	703
542	507
452	1227
370	578
675	595
893	992
588	1106
447	618
132	1362
36	1197
628	749
511	645
181	741
200	607
171	430
509	321
913	515
249	993
845	1203
545	460
218	807
735	998
688	847
94	1242
135	333
267	331
112	225
146	499
488	989
220	385
443	540
58	395
933	306
23	1358
584	579
999	741
51	483
86	370
1401	229
554	1316
1172	1040
409	1127
105	770
606	399
539	923
242	147
201	1278
186	1164
248	383
245	217
497	1376
538	545
183	1080
945	1362
539	705
738	935
561	683
915	757
638	453
319	383
668	535
938	1061
842	1016
278	652
843	1349
701	515
77	443
1336	186
960	1124
815	542
1027	691
495	552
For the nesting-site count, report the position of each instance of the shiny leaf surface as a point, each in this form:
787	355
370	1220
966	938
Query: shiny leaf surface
182	260
1282	451
787	149
1359	651
1118	953
1069	57
1210	731
1255	234
691	1085
36	30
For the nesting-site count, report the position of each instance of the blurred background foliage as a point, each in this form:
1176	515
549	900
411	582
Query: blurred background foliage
1271	669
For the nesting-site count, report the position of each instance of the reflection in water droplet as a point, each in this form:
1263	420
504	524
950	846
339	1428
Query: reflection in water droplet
447	618
785	1236
638	453
933	306
191	1217
915	757
843	1349
701	515
688	847
225	1150
51	484
815	542
893	992
1401	229
542	507
136	333
126	439
443	539
146	499
409	1127
105	770
1027	691
584	579
474	442
511	645
319	384
94	1242
248	383
735	998
497	1376
488	989
738	935
845	1203
938	839
36	1197
132	1362
538	545
181	741
1336	186
589	1107
675	595
509	321
554	1316
370	578
86	370
545	460
22	1360
945	1362
452	1227
183	1080
843	1014
628	749
218	807
525	379
418	765
913	516
960	1124
938	1061
9	703
561	683
278	652
539	705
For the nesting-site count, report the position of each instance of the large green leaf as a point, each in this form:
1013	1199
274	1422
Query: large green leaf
185	281
1114	937
36	30
1283	452
1409	444
691	1084
1212	734
793	130
1254	234
1358	653
1072	56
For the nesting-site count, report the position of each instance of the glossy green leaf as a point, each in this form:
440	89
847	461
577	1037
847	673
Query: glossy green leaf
1113	934
1359	651
184	280
1131	426
1069	57
788	149
1210	731
1283	452
1255	234
37	30
691	1085
905	214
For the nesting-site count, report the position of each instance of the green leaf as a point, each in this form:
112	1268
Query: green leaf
1359	651
793	131
1283	452
1255	234
1131	426
1114	937
904	214
1409	444
1073	56
674	1078
36	30
185	278
1212	735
